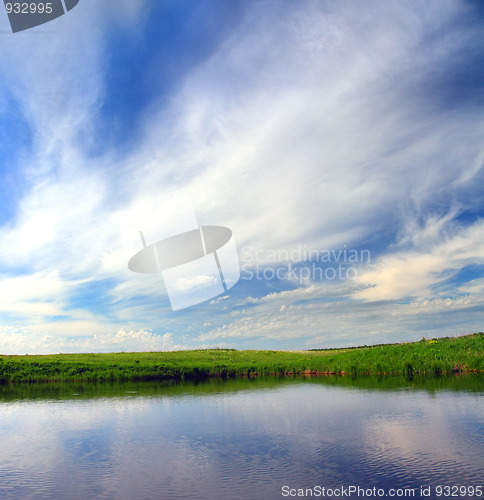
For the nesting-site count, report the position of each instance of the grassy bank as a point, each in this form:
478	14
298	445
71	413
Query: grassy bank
436	356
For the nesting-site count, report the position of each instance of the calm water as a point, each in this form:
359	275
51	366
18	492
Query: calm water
239	439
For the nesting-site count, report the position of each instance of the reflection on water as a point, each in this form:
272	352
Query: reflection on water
238	439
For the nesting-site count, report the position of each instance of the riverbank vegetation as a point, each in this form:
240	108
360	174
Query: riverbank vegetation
435	357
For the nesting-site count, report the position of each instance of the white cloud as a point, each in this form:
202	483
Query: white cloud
135	341
189	283
36	341
307	124
339	323
415	272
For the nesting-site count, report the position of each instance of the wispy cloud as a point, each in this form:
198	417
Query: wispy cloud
318	123
418	272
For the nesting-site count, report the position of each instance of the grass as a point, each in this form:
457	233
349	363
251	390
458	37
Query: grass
435	357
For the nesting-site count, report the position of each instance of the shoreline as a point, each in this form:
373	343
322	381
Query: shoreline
441	356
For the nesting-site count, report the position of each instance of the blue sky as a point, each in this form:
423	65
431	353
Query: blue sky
311	126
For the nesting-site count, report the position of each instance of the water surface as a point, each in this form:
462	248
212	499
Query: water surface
236	439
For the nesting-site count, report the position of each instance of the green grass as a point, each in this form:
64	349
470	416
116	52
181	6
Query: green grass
436	356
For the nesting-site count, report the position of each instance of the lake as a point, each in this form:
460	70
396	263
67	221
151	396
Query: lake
264	438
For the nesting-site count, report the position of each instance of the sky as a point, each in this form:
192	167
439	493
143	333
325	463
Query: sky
341	143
